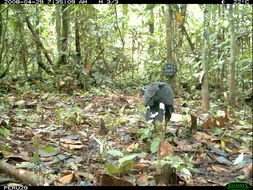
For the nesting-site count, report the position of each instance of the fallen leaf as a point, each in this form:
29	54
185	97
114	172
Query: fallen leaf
202	136
131	147
248	171
109	180
72	146
219	169
141	166
66	179
70	141
165	149
223	160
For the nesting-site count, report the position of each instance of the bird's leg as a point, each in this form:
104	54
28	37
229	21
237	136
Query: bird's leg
165	126
154	123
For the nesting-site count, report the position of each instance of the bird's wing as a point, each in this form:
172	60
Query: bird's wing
165	95
150	93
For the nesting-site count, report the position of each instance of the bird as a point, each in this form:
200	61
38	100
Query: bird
159	98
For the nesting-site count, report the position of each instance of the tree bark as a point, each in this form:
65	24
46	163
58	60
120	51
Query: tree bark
77	35
205	60
1	22
38	51
232	82
152	22
169	40
58	28
65	30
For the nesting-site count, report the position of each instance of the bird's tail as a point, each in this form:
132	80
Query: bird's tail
155	112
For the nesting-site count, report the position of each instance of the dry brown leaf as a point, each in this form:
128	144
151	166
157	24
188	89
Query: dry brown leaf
11	98
102	129
248	171
220	121
72	146
218	169
85	175
69	141
109	180
141	165
66	179
11	155
202	136
131	147
165	149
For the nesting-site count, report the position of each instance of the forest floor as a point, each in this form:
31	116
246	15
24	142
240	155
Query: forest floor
101	138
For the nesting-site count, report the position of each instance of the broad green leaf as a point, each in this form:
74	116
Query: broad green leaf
126	166
128	157
154	145
112	169
115	152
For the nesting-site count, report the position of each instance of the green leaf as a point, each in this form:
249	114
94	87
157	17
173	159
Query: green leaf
115	152
150	6
126	166
246	124
36	157
128	157
25	165
49	151
112	169
154	145
4	132
6	148
226	24
212	37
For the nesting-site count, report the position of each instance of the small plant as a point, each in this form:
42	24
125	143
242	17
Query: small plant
103	147
175	162
70	116
4	132
36	157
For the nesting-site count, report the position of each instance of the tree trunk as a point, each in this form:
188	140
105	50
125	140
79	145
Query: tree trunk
205	60
152	22
125	12
1	23
169	37
77	35
58	28
38	50
232	82
169	40
23	46
65	30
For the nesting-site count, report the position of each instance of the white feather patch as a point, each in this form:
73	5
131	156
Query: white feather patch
153	115
162	106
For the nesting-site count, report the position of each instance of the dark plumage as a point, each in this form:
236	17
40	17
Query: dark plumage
158	98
